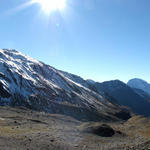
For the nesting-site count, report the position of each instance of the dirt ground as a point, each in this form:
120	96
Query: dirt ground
23	129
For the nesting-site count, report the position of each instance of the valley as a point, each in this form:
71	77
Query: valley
24	129
74	75
43	108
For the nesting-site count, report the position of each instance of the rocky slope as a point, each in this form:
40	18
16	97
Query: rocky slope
25	129
27	82
143	94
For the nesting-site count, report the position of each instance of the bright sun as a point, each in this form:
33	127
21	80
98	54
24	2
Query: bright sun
50	5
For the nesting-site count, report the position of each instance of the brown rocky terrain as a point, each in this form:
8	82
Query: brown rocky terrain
23	129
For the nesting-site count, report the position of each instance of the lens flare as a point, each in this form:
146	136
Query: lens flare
50	5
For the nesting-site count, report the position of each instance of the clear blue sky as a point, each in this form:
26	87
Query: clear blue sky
96	39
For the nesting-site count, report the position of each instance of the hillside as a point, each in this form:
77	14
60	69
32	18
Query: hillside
27	82
24	129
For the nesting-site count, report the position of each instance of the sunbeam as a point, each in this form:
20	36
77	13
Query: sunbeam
50	5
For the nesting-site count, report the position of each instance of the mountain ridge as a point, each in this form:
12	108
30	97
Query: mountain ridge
38	86
125	95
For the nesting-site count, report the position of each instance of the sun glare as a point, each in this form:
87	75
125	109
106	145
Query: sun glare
51	5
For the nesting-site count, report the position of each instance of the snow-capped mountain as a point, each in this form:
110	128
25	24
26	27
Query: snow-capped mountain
139	84
27	82
125	95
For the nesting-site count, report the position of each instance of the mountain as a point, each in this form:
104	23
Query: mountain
90	81
143	94
139	84
124	95
27	82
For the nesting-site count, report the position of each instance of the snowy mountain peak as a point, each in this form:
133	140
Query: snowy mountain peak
27	82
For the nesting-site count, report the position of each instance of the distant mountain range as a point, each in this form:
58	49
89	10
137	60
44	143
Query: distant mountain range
134	98
27	82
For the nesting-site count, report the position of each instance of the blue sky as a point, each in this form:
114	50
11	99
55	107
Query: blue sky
95	39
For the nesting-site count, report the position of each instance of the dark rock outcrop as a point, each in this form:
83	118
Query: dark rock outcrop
3	92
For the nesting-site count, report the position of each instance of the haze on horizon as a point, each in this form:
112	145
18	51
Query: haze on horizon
95	39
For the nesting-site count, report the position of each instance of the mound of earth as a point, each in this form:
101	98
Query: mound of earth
103	130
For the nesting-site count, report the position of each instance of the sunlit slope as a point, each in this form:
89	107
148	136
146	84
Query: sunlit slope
27	82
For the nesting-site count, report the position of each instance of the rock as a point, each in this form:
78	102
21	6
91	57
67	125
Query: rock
84	147
119	132
52	140
30	139
3	92
15	121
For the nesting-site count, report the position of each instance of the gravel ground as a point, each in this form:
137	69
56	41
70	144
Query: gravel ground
22	129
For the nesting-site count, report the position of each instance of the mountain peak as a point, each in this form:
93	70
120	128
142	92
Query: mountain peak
27	82
139	84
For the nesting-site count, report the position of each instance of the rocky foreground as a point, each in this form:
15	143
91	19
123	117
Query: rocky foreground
23	129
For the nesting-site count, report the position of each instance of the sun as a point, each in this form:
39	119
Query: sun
50	5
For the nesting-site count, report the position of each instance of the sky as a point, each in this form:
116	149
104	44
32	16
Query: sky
95	39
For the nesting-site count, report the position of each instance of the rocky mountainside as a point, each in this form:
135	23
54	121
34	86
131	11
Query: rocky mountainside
143	94
139	84
27	82
125	95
